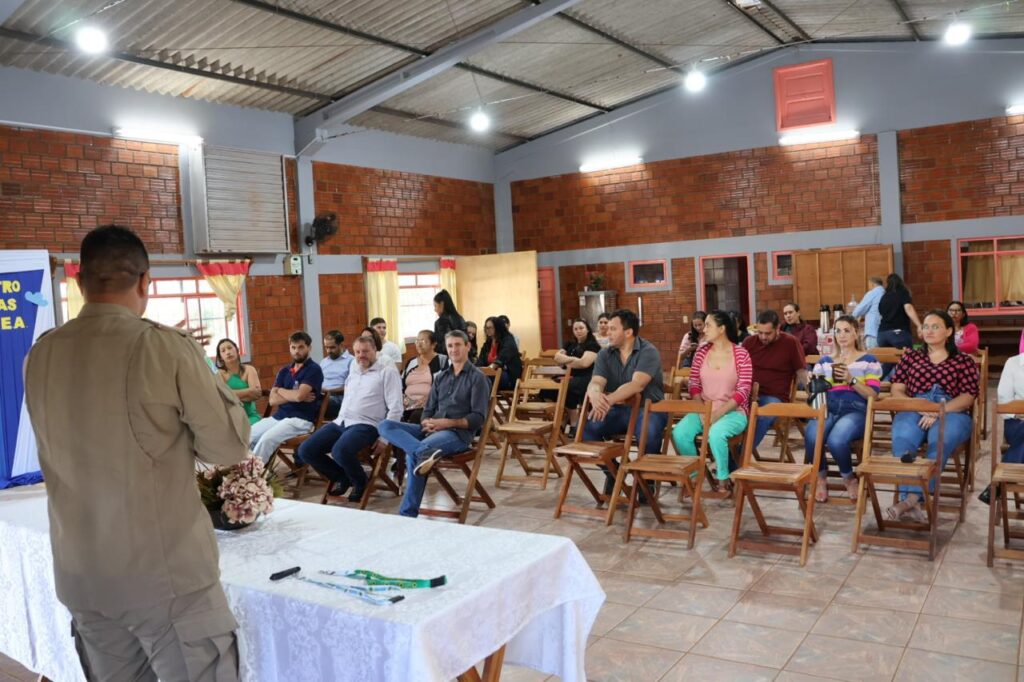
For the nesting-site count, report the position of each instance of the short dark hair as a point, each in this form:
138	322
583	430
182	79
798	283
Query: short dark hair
768	317
430	335
628	319
377	320
336	336
376	337
301	336
457	334
112	259
604	316
796	306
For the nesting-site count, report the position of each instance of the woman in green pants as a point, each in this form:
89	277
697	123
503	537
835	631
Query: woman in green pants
722	374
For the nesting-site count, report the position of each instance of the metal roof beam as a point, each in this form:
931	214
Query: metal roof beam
804	35
755	22
900	10
436	120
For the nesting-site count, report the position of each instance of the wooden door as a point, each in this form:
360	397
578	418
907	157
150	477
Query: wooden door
834	276
548	308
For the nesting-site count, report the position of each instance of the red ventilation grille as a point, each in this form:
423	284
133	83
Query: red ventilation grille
805	95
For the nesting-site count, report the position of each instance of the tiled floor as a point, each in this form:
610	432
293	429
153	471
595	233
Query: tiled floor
673	614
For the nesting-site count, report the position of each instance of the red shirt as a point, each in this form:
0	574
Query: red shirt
776	364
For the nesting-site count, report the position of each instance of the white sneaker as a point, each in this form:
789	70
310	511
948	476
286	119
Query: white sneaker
424	467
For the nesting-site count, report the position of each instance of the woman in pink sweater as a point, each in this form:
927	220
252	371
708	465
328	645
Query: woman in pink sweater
965	333
722	374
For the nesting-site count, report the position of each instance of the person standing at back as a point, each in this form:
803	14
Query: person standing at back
122	408
448	319
896	311
868	309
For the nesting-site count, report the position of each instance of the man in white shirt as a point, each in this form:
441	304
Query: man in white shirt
373	393
335	366
390	352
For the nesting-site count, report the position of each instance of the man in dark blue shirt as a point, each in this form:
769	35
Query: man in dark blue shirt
296	395
455	410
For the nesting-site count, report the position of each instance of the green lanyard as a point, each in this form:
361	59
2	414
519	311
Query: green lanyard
372	578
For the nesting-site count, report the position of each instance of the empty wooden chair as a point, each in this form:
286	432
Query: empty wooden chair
1007	479
686	471
524	430
797	478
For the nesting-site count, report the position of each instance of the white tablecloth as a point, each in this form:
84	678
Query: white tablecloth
533	592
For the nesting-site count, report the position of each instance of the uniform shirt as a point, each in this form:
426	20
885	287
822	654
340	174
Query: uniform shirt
466	395
775	364
122	407
291	378
644	358
336	370
371	395
957	374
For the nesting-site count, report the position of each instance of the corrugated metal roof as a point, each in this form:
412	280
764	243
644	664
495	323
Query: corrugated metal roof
843	19
988	19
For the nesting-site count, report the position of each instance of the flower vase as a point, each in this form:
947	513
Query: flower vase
221	522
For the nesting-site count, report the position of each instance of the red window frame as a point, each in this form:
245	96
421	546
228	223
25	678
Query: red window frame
996	309
633	284
774	257
436	288
750	279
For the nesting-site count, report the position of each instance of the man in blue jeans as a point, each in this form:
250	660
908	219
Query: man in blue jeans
628	366
455	411
373	392
778	359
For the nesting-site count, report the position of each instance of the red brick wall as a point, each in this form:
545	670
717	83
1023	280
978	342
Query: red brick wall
275	311
56	186
769	296
343	304
963	170
393	213
750	192
928	271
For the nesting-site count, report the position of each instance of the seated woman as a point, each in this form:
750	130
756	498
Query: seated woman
937	373
604	340
418	376
473	348
854	376
1011	388
500	351
244	380
965	333
579	354
722	374
371	333
693	339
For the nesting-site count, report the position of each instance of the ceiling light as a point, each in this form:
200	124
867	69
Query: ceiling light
695	81
815	136
479	121
610	161
957	33
91	40
151	135
1015	110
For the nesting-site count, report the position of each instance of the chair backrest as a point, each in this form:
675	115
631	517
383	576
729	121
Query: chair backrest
549	353
525	388
886	354
789	410
674	408
325	402
812	359
495	375
1012	408
585	413
541	361
678	381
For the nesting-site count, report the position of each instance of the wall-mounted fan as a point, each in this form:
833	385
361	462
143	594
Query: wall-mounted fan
323	226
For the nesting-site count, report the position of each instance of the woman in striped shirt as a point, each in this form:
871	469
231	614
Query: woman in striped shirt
721	373
854	377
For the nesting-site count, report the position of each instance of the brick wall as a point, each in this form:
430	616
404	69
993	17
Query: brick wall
56	186
771	296
928	271
343	304
972	169
275	311
750	192
394	213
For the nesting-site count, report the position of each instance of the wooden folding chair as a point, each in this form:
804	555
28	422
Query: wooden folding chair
981	357
686	471
756	475
957	475
540	435
780	428
379	477
887	469
285	452
1007	479
468	463
579	453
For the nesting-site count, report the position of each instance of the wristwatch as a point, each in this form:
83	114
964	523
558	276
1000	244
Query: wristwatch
852	382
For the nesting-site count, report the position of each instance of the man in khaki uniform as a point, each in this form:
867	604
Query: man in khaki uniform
122	407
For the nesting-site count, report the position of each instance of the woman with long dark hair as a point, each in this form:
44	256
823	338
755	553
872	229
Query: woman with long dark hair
693	339
938	373
474	349
448	319
244	380
965	332
500	351
578	354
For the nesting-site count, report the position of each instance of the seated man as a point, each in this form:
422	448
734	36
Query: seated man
390	352
456	408
335	367
373	393
628	366
777	359
800	330
296	395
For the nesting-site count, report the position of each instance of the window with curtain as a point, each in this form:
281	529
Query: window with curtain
190	303
416	302
992	273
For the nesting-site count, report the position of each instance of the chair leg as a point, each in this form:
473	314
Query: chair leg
613	501
807	507
859	516
697	514
501	462
1005	510
631	508
564	493
470	487
993	503
740	494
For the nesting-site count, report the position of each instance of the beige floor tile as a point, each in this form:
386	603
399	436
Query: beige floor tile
663	629
796	582
699	600
695	667
777	610
718	570
655	564
835	559
989	641
928	666
893	595
911	569
845	659
989	607
515	673
754	644
609	616
610	660
628	589
1006	580
790	676
880	626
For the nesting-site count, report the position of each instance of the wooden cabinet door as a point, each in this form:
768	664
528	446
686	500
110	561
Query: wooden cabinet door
834	276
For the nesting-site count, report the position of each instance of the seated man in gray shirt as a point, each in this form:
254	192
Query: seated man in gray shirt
629	365
455	410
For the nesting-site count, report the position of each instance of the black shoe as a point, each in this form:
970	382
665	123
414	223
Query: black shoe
609	485
427	463
986	495
357	494
908	458
338	488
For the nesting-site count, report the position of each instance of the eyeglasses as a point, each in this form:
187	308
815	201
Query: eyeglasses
932	327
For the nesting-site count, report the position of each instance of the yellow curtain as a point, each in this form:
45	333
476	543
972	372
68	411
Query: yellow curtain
448	277
382	294
75	300
226	278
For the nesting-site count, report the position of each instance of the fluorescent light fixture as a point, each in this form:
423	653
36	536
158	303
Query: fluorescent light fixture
957	33
479	121
812	136
1015	110
91	40
695	81
599	163
156	135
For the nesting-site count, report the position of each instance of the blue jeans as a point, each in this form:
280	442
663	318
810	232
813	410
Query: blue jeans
907	436
343	443
893	338
411	439
764	423
844	424
1014	431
